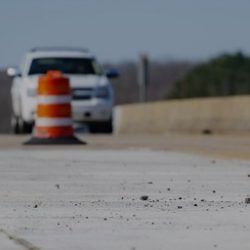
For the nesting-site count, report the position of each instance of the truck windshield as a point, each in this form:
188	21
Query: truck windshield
79	66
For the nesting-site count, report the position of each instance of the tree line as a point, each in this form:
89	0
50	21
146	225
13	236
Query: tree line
225	75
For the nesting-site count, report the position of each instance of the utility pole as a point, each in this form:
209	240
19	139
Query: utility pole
143	77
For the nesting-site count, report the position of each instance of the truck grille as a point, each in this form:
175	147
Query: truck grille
82	93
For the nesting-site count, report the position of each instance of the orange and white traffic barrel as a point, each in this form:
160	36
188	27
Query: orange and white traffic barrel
53	123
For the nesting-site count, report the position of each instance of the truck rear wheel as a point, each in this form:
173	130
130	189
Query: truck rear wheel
14	125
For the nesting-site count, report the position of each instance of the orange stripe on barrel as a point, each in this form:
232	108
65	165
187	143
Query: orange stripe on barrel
53	132
54	110
53	83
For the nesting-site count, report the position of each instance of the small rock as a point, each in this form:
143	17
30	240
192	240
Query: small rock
168	189
179	207
57	186
247	200
150	182
36	206
214	191
206	131
144	197
105	219
195	205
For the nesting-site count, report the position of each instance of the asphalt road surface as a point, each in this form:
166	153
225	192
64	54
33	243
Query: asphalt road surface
126	192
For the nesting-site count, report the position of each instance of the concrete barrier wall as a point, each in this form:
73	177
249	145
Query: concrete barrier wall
228	114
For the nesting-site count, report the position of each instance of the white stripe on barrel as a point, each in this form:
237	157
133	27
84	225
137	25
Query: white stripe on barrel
50	122
57	99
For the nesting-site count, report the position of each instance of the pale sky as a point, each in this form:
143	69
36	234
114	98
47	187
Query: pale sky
117	30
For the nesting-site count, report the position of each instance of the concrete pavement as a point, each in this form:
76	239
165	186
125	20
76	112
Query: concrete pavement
90	198
230	146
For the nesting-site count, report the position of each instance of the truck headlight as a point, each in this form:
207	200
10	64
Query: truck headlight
103	92
31	92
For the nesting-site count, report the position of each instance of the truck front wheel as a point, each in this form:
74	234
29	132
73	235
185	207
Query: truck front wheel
19	126
102	127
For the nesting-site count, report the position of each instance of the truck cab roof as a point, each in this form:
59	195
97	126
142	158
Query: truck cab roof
58	52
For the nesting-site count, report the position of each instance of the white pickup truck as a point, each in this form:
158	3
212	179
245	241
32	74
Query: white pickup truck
92	94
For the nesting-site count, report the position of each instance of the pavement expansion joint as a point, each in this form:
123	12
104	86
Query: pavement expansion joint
20	241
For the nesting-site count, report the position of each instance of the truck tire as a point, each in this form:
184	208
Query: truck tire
25	127
19	126
102	127
108	127
14	125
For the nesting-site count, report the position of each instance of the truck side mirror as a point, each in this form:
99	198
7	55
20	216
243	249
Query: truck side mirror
112	73
13	72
